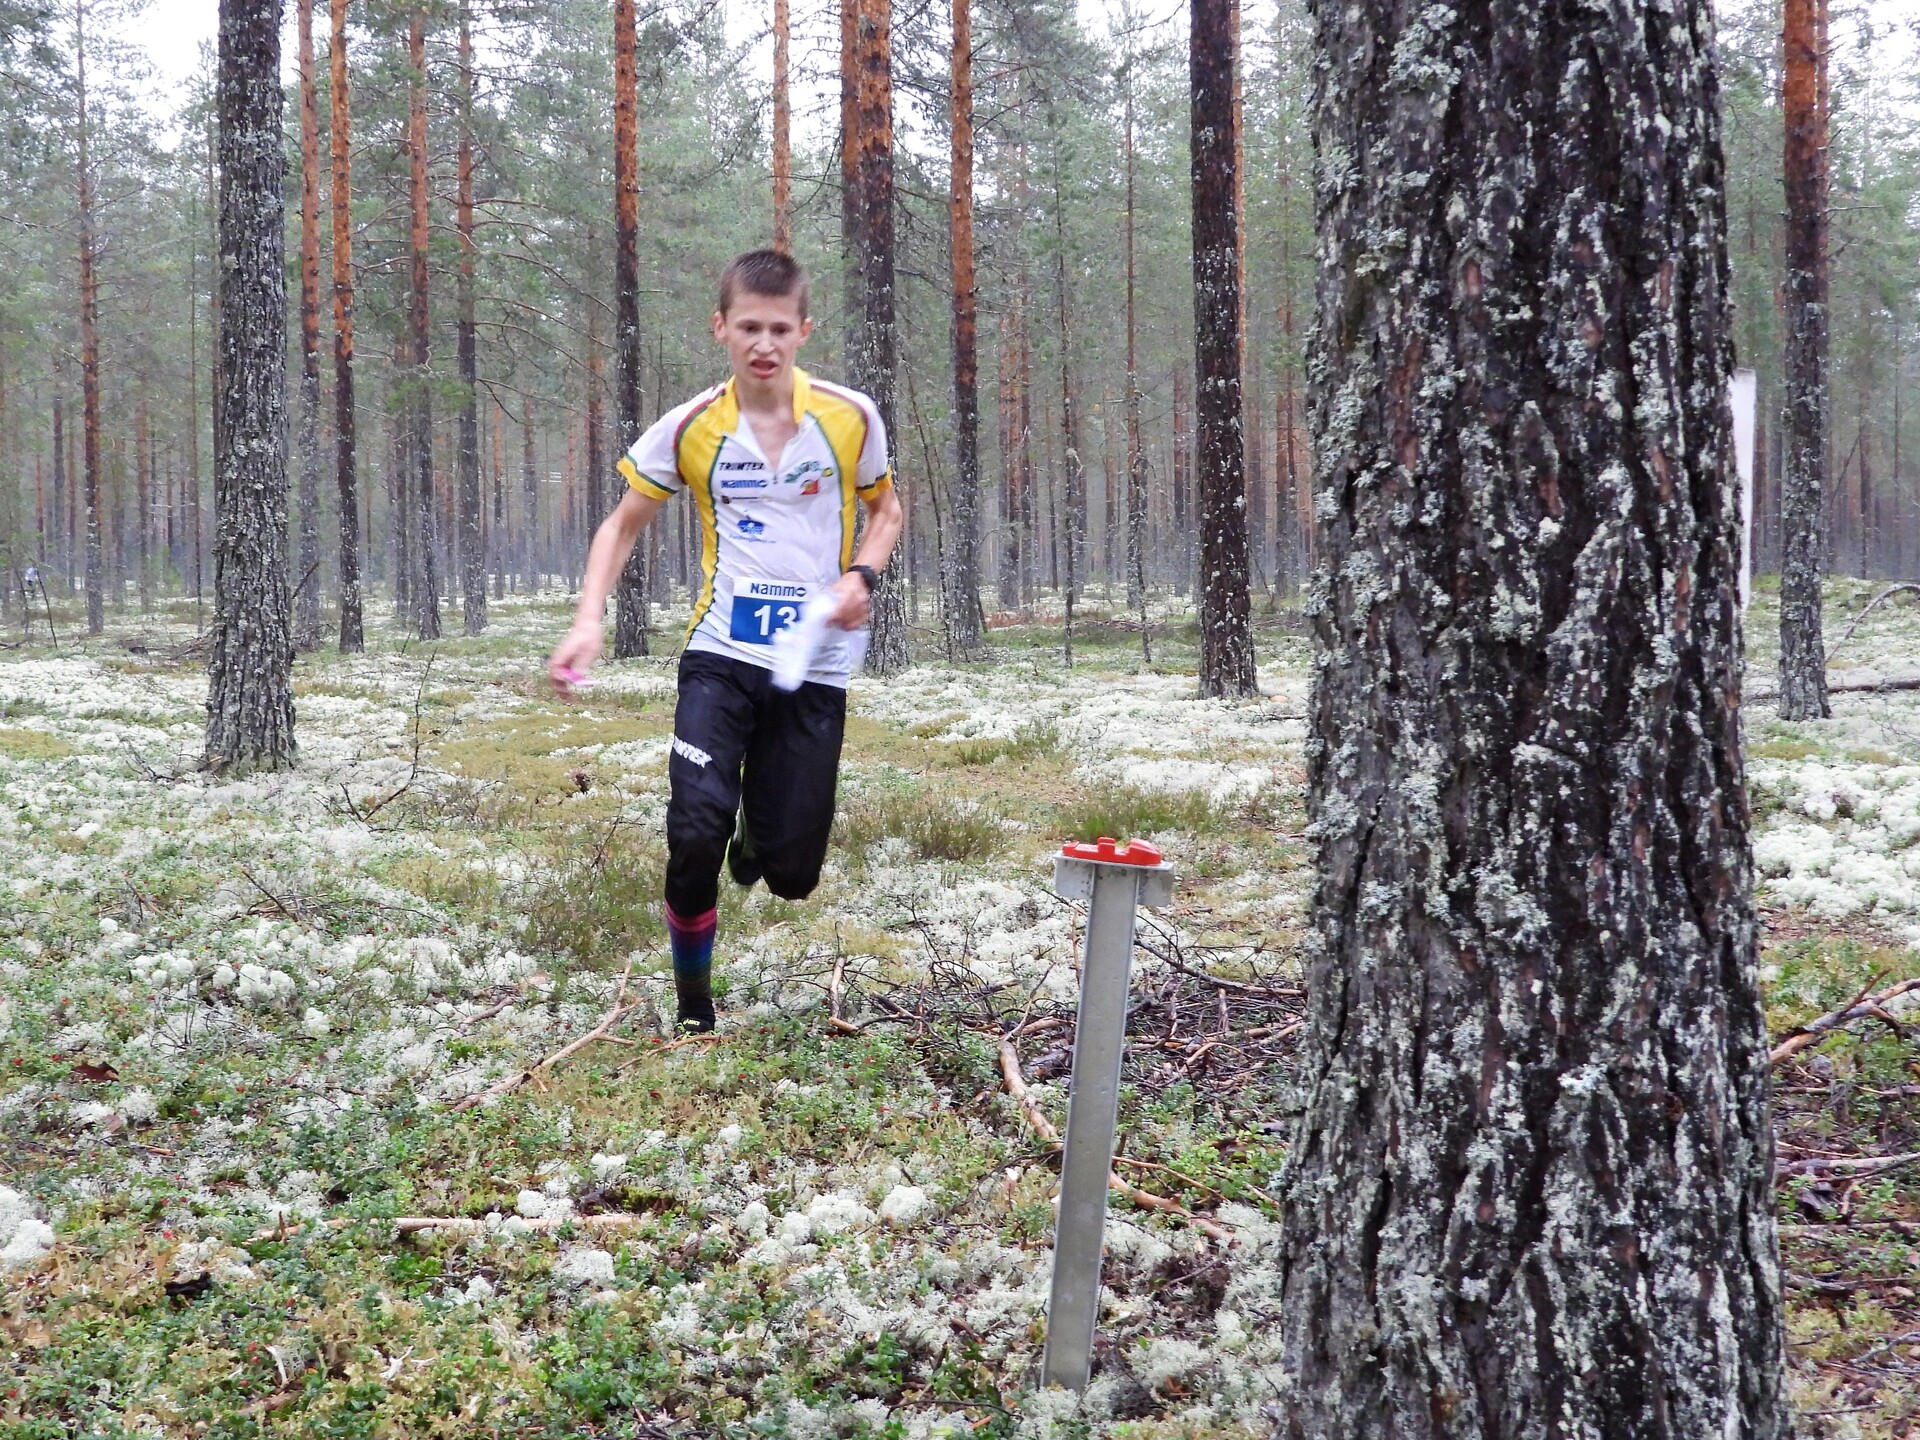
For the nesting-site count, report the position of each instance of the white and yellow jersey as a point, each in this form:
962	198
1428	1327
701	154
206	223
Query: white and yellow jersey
771	534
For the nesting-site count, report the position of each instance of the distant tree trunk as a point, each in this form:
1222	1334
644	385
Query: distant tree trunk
306	595
473	549
1181	470
530	495
1076	471
89	335
340	153
1226	634
1007	572
588	485
497	527
1803	488
143	505
1530	1192
60	480
426	567
874	362
1136	450
632	605
963	580
250	662
782	134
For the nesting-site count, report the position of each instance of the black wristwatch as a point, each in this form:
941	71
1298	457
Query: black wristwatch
866	573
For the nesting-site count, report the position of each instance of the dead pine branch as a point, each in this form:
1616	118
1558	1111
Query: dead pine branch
535	1073
365	813
1038	1122
1864	1006
1865	611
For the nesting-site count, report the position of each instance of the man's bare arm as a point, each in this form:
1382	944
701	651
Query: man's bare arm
607	556
886	517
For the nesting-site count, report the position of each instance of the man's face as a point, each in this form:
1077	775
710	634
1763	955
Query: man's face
762	334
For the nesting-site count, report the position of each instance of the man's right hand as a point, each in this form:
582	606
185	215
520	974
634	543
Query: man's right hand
574	655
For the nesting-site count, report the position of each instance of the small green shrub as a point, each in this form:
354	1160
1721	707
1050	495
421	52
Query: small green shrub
1030	742
935	827
1124	812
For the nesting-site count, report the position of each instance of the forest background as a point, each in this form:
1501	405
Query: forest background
1081	131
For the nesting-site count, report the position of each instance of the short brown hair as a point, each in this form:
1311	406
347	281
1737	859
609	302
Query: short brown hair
763	272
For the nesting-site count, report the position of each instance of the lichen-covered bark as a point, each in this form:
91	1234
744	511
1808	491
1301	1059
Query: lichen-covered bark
1803	483
473	543
250	659
963	561
874	355
424	591
1220	478
631	608
306	597
1529	1195
89	336
346	482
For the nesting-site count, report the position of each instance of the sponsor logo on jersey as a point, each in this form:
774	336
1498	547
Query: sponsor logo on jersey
773	590
743	475
752	529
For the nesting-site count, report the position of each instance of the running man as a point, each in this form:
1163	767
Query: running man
773	461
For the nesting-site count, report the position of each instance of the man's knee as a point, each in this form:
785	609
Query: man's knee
792	882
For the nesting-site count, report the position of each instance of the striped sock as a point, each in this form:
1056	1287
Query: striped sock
692	941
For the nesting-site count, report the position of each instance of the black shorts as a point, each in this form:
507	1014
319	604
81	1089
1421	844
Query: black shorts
742	746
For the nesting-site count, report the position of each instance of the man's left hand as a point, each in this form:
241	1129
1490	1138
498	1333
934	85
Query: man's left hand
853	602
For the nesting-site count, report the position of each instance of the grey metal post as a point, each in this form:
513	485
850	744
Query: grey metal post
1113	891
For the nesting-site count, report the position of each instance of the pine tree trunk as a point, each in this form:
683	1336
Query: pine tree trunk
1803	487
632	604
346	483
1136	449
1530	1192
89	336
874	364
143	506
963	580
1220	490
425	580
530	498
782	133
306	595
1075	499
250	662
473	549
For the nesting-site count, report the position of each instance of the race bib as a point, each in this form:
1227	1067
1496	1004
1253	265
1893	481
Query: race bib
763	608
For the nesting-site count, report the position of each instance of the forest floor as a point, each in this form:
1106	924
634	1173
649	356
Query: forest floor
239	1192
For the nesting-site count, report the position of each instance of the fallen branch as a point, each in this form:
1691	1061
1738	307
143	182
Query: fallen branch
1910	1229
1858	1169
1865	611
1862	1007
462	1224
603	1031
1038	1122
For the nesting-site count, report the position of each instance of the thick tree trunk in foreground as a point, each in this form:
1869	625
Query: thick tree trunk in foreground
1220	489
631	605
425	580
1530	1192
306	597
250	662
339	140
874	367
473	545
1803	486
963	577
